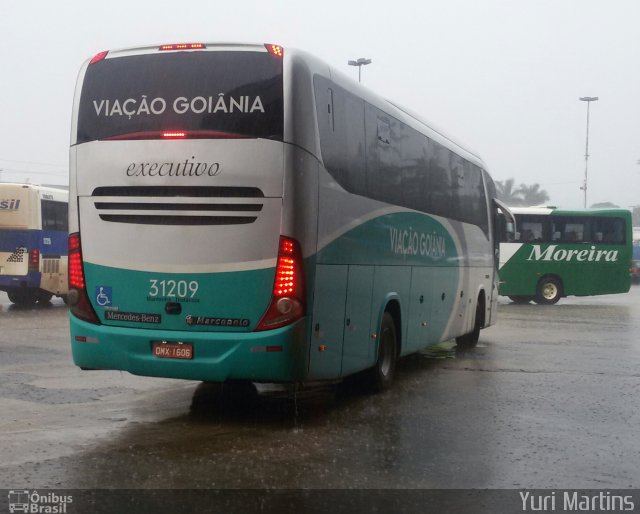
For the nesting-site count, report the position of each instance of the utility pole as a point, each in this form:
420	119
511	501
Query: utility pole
587	99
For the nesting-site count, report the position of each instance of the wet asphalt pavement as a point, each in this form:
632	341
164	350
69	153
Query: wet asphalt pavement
548	399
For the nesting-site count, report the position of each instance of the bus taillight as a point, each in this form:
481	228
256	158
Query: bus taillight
99	57
287	298
34	260
276	50
78	299
76	273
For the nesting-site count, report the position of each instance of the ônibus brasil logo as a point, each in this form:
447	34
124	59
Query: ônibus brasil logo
568	255
22	500
9	204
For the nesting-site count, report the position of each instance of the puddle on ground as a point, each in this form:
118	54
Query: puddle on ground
446	350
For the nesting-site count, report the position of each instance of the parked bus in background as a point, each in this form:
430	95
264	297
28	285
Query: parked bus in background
33	242
635	262
244	212
558	253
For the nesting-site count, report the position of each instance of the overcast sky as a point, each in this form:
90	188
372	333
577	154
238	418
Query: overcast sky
501	76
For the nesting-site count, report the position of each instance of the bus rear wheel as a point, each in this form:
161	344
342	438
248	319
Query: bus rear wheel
381	375
44	297
471	339
520	299
23	297
549	291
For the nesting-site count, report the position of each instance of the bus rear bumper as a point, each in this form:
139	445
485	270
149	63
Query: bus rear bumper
29	281
278	355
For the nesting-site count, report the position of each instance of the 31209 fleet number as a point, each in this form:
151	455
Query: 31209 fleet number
172	288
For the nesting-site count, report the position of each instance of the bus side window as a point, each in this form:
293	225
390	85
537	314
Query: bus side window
609	230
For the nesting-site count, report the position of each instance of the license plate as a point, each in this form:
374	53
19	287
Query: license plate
170	350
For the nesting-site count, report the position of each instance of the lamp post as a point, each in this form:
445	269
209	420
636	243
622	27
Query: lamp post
359	63
587	99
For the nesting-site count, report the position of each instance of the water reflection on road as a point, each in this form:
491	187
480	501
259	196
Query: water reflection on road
547	399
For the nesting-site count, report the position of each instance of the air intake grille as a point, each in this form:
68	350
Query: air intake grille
50	265
181	205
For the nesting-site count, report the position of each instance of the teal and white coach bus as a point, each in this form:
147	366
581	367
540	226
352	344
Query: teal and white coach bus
245	212
565	252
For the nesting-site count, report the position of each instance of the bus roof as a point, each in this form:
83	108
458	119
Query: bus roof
545	211
60	194
314	66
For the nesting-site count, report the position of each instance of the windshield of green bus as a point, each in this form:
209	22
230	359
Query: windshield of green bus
206	94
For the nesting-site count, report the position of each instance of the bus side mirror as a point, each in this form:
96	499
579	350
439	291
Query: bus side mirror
506	222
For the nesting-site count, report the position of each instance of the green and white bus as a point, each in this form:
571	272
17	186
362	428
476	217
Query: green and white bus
558	253
245	212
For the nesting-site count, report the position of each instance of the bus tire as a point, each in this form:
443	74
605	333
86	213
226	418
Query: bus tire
520	299
23	297
44	297
382	374
470	340
549	291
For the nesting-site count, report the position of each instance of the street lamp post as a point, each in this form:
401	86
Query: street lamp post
587	99
359	63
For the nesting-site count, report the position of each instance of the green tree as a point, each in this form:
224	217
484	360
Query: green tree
605	205
507	193
532	195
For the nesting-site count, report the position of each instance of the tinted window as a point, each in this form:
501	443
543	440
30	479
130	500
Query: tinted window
341	124
54	215
535	228
231	92
406	168
373	154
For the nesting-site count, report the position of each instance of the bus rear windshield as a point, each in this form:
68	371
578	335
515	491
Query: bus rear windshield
198	94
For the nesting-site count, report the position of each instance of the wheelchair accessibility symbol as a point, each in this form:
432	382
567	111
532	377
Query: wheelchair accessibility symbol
103	296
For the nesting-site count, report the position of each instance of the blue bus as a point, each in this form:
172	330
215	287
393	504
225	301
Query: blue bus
33	242
635	258
246	212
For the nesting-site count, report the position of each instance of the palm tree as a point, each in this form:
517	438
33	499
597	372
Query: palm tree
532	195
506	192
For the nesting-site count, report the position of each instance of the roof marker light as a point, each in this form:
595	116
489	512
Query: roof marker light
99	57
276	50
183	46
173	134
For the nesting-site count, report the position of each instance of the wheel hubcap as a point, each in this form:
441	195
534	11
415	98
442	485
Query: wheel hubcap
549	291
